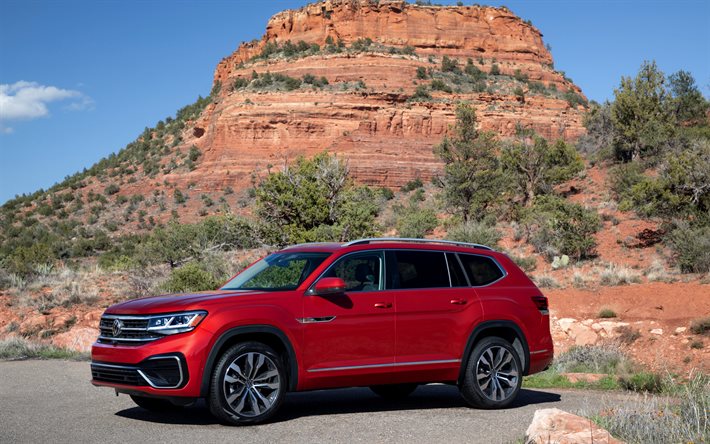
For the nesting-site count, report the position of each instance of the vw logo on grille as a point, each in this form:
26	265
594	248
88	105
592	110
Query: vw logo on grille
117	328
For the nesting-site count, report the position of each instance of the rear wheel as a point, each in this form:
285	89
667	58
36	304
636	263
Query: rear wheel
493	374
154	404
394	391
248	384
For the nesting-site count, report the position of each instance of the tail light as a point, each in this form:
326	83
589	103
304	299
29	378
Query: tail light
541	304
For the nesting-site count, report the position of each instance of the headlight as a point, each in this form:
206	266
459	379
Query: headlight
171	324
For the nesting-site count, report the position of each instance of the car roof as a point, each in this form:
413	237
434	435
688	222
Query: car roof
390	243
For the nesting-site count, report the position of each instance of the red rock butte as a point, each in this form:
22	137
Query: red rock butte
386	136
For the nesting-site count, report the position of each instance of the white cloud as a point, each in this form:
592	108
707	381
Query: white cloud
29	100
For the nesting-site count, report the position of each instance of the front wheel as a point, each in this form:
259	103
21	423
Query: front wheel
493	374
248	384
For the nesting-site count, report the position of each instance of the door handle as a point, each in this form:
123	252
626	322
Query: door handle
459	301
383	305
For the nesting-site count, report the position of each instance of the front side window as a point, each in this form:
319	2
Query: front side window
277	272
361	272
419	269
481	270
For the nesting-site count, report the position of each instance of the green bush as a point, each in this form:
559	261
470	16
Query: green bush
415	222
642	382
495	70
700	326
421	93
421	73
449	65
412	185
691	246
527	263
559	227
440	85
111	189
314	200
476	233
190	277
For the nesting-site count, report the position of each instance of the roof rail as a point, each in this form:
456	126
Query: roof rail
414	240
309	243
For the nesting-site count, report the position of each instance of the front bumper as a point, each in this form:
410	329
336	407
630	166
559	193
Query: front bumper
168	367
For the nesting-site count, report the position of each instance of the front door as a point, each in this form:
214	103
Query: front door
351	333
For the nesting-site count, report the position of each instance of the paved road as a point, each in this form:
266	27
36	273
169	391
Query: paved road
53	401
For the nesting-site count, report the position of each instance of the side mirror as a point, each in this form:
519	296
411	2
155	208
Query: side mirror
330	285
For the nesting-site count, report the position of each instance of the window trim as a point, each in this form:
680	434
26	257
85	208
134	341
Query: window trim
381	253
495	261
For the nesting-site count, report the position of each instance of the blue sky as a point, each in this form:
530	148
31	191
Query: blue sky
94	74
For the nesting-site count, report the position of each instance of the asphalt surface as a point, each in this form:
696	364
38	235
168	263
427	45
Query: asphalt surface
53	401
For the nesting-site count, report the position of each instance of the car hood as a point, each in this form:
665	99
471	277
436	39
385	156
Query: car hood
176	302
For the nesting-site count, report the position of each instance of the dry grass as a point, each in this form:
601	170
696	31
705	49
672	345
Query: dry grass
682	417
21	348
614	275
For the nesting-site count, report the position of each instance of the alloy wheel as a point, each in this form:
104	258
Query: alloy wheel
497	373
251	384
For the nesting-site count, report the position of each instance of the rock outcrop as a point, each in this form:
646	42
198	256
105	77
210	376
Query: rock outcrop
554	426
366	112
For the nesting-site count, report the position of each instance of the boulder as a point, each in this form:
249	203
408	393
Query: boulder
555	426
78	339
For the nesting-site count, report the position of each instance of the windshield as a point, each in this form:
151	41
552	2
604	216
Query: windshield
279	271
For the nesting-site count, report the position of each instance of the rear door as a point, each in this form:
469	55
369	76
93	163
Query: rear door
353	332
433	317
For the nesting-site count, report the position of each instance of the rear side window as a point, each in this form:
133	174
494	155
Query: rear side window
458	278
481	270
418	269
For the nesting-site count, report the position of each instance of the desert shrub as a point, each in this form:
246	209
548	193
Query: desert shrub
642	382
440	85
558	227
476	233
21	348
614	275
660	420
421	73
701	326
190	277
691	247
314	200
111	189
495	70
627	335
449	65
520	76
413	221
24	260
546	281
421	93
574	99
412	185
606	313
607	358
527	263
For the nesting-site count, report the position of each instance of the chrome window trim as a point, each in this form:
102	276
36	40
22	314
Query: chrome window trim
394	364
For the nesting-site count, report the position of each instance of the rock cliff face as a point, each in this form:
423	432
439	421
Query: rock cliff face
366	112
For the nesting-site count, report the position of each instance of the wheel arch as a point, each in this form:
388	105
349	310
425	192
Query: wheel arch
266	334
505	329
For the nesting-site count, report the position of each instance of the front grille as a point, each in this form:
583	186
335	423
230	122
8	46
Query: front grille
133	330
117	374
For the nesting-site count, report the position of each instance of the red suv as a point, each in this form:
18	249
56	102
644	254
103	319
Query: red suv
385	313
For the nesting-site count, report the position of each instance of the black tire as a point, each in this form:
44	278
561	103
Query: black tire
499	372
155	404
394	392
248	395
